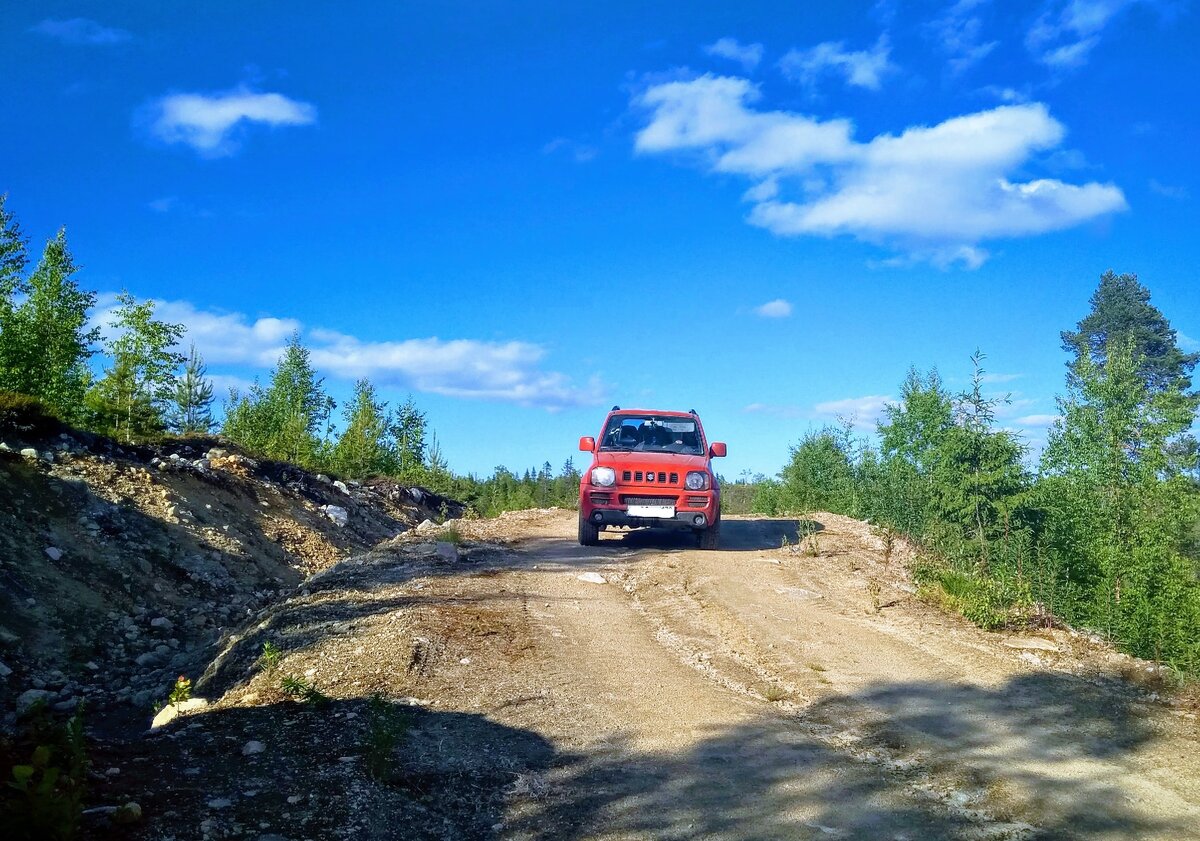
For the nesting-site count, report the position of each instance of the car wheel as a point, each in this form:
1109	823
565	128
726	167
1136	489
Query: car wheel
589	535
710	537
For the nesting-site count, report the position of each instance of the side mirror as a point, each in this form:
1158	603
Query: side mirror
587	444
717	450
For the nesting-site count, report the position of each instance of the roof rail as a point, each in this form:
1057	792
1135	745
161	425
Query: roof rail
616	408
691	411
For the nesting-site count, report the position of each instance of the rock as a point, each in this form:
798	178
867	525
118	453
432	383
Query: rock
5	671
252	747
426	525
163	624
323	479
340	516
592	578
29	453
54	553
219	803
341	486
1030	644
28	698
172	711
216	452
417	494
446	551
131	812
147	660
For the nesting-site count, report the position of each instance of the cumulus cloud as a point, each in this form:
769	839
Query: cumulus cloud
80	32
864	413
934	191
958	31
504	371
212	123
1037	421
1067	31
747	55
778	308
860	68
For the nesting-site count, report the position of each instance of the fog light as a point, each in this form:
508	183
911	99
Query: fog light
598	517
698	519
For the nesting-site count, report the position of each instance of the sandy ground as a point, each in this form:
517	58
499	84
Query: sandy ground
755	692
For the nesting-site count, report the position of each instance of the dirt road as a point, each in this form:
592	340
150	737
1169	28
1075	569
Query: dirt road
756	692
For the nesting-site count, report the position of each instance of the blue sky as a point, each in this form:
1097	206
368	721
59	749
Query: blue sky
524	213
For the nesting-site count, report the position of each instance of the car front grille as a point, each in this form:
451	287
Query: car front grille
697	501
629	499
661	477
601	499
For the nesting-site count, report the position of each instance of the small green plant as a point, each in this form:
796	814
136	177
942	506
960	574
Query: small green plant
302	690
874	588
443	512
887	534
386	725
44	797
450	534
776	693
807	537
270	658
182	691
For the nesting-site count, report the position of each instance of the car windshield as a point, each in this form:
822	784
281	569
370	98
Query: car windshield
652	434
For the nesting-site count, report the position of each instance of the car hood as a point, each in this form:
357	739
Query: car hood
651	461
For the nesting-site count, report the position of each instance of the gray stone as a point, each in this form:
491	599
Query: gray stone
446	551
220	803
341	486
252	747
5	671
426	525
162	623
54	553
30	697
148	660
340	516
323	479
417	494
216	452
131	812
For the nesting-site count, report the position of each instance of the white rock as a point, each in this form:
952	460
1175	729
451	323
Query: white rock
339	515
54	553
426	525
172	711
592	578
29	452
341	486
252	747
1030	644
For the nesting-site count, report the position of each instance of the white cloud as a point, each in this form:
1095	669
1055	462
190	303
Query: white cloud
1000	378
210	123
748	55
861	68
934	191
1068	30
503	371
80	31
863	412
164	204
1186	343
1036	421
778	308
958	32
580	152
1170	191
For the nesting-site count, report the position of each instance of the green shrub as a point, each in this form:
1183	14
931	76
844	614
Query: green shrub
26	415
43	798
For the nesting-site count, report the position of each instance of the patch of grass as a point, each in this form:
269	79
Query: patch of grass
450	534
44	796
776	693
302	690
270	658
984	601
386	725
816	667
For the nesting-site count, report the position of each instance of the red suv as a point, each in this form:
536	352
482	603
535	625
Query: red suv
651	469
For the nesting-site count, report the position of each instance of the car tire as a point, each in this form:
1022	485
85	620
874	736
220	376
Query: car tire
710	538
589	535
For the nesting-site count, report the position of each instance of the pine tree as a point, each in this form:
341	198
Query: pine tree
131	398
408	427
365	447
192	398
1122	312
44	340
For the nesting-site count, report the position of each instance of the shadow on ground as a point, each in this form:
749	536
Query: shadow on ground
1033	758
906	760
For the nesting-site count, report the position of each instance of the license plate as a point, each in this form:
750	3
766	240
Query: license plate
663	511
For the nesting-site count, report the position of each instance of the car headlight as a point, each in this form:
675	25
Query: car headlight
605	477
697	480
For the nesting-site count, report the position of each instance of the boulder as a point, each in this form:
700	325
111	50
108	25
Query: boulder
29	697
592	578
172	711
54	553
341	486
340	516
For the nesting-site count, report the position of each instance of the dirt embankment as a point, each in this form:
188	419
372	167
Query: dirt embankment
122	567
530	688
